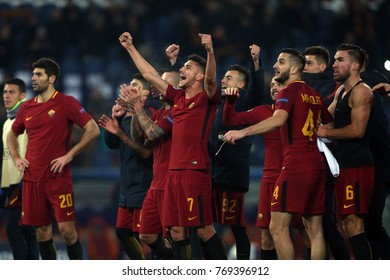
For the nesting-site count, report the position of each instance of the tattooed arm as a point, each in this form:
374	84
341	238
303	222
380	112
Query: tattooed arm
150	128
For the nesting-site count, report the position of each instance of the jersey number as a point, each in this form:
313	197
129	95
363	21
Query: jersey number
191	203
349	192
275	194
66	200
308	127
229	205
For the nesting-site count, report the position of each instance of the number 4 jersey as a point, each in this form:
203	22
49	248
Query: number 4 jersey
306	109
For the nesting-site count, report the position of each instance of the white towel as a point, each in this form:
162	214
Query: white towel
332	162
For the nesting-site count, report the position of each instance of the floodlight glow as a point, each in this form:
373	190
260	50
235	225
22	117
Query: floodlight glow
387	65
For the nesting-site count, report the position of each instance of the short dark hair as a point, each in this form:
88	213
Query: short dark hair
296	56
356	52
243	71
15	81
145	83
320	52
51	67
198	59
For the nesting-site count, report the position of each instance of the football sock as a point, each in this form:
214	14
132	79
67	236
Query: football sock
268	254
215	249
182	249
130	243
160	250
204	250
361	247
48	250
75	252
243	245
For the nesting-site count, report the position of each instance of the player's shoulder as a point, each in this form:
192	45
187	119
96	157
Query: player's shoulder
362	89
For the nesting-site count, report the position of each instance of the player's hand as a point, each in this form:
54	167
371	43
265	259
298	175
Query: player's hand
129	97
206	42
117	111
385	86
322	131
111	125
255	52
231	92
172	52
21	164
233	135
126	40
58	164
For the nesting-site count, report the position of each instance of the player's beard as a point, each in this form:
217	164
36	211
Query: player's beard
39	89
342	77
283	77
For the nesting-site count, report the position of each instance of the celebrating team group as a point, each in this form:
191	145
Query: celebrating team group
185	143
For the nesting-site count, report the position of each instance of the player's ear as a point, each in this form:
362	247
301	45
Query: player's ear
199	76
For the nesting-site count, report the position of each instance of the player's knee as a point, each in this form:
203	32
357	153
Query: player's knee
178	233
267	242
148	238
206	232
123	233
68	234
353	225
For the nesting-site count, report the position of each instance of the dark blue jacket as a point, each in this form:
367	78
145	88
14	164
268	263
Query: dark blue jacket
230	168
323	83
380	141
135	172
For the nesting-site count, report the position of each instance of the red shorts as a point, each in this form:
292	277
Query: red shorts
152	213
354	188
264	208
302	193
229	208
41	199
129	218
187	200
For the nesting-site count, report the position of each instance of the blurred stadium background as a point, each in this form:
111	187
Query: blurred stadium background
82	35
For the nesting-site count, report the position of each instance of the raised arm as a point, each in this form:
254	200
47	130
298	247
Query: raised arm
210	80
256	87
172	52
255	54
147	70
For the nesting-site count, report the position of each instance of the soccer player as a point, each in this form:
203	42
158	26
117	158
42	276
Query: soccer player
353	114
319	76
187	199
135	169
48	119
299	110
230	163
273	157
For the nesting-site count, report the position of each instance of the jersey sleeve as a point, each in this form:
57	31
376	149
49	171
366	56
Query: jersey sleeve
76	112
285	101
250	117
18	125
